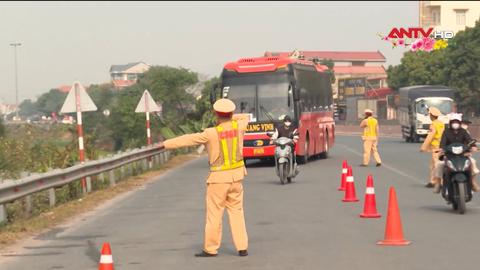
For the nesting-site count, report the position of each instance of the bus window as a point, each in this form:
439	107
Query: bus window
243	96
273	101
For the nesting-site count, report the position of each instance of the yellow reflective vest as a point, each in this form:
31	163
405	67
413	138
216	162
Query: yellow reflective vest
230	155
439	127
370	131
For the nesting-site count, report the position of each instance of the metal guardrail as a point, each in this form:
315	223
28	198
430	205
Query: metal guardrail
11	190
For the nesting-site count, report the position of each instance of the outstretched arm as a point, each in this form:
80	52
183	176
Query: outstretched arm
186	140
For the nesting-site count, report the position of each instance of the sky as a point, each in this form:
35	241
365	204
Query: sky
67	41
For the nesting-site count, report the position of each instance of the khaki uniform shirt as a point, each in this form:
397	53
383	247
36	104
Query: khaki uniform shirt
209	138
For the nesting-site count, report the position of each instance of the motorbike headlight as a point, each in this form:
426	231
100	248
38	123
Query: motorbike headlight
467	165
451	166
457	150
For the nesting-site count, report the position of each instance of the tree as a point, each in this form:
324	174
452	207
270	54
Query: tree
462	69
330	64
28	108
167	86
2	128
204	115
51	102
456	66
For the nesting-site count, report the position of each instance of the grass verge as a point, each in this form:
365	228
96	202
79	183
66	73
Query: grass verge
26	227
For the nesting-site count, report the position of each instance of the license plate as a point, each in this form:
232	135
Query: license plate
259	151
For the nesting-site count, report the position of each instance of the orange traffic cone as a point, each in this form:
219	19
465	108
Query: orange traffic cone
370	206
393	229
343	181
350	195
106	260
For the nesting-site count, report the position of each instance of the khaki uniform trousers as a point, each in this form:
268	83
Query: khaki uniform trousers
370	146
436	168
219	196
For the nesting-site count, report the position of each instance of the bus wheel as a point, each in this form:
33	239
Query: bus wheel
324	154
304	159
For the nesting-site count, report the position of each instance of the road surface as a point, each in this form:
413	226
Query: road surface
303	225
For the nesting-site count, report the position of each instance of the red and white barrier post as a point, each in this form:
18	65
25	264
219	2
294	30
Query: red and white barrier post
147	105
77	101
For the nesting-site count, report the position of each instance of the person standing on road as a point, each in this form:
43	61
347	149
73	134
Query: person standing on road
224	145
370	138
432	144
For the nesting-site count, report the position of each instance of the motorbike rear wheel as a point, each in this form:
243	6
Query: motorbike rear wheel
461	198
283	173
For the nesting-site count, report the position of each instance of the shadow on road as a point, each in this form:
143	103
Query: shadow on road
257	163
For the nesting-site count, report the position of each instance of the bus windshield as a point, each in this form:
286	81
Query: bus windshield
265	97
445	106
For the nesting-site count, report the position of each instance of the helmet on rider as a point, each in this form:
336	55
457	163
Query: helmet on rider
455	120
287	121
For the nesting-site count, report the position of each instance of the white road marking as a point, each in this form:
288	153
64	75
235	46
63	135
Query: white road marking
388	167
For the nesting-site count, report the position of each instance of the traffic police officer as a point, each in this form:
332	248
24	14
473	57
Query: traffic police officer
432	144
224	145
370	138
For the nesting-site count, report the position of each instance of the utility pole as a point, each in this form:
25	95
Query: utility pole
15	45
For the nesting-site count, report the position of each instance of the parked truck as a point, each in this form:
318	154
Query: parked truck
413	107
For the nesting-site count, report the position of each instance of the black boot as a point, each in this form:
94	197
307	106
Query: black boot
205	254
243	253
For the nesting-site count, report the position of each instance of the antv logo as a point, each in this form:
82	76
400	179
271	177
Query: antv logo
418	39
410	33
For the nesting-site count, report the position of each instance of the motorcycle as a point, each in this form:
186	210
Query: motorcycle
285	166
457	185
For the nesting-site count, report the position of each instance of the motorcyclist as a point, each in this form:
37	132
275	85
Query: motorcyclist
289	130
475	170
454	134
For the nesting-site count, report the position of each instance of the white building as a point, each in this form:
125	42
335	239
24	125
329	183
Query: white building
449	15
126	75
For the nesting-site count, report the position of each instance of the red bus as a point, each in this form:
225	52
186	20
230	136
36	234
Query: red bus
268	88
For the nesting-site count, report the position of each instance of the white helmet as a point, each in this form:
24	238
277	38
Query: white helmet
455	116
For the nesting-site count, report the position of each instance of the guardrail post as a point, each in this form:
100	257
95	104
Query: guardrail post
130	169
28	205
161	158
51	197
145	164
111	177
138	166
156	161
122	172
101	177
89	184
150	163
3	214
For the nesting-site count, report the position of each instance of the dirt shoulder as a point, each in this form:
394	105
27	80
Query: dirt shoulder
24	228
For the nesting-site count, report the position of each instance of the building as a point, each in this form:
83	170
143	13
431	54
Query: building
64	88
126	75
6	109
448	15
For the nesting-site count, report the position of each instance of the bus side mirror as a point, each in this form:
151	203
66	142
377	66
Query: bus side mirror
213	93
